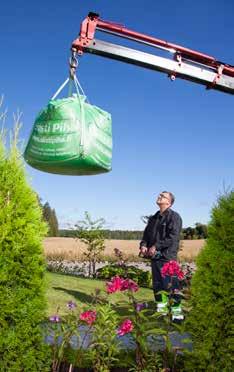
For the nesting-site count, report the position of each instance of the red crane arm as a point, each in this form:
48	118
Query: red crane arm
93	22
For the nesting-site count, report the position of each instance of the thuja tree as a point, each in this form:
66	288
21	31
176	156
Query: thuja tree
22	267
211	317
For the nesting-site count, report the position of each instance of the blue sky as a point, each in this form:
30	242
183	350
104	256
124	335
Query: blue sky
166	136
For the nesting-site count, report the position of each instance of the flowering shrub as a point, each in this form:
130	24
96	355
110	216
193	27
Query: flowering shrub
66	332
104	348
141	277
173	280
125	327
172	268
99	329
120	284
88	316
114	285
130	285
138	325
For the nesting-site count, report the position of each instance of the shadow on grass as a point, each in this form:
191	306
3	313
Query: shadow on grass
81	296
124	309
121	308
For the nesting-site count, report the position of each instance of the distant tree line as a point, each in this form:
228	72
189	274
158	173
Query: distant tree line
49	215
108	234
188	233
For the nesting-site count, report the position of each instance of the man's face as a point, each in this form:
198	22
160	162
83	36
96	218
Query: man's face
164	199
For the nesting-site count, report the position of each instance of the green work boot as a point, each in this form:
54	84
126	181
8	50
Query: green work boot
162	305
177	313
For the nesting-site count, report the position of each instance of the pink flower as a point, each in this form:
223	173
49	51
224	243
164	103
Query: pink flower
125	327
180	275
172	268
114	285
120	284
130	285
88	316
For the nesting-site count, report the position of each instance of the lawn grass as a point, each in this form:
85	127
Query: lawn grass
63	288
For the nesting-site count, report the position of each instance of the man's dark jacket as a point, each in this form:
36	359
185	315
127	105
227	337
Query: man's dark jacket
163	231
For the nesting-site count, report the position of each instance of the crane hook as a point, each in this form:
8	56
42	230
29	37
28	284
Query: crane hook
73	63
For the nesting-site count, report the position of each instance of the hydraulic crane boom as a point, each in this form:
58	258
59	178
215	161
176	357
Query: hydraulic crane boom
186	63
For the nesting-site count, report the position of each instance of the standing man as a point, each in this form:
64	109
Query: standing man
160	243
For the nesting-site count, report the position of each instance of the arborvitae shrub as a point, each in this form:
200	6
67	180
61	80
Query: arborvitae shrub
211	318
22	267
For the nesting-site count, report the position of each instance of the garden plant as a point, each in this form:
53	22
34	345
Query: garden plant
91	233
211	317
99	329
22	266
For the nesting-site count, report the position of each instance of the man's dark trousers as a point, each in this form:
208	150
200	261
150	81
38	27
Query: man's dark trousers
157	279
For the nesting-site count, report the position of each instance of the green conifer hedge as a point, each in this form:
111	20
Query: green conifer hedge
211	318
22	267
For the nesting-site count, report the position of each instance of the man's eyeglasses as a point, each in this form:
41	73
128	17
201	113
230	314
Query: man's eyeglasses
164	196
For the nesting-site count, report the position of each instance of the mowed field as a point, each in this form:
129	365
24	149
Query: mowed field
72	249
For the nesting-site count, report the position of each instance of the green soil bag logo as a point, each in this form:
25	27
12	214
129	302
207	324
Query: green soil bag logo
71	137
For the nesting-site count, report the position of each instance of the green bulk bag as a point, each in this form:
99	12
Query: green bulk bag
71	137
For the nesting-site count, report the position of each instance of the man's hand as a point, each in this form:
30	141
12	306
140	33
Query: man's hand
152	251
143	250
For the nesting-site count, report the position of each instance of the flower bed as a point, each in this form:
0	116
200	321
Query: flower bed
97	337
78	268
